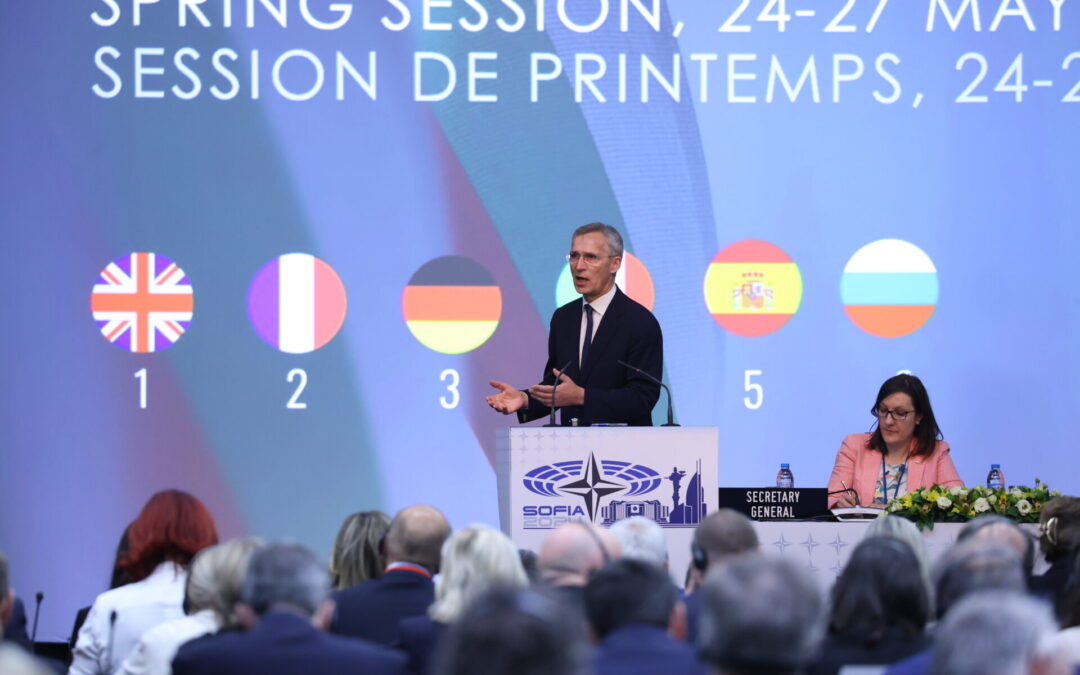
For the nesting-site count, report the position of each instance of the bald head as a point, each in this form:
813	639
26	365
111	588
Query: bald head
573	550
416	535
725	533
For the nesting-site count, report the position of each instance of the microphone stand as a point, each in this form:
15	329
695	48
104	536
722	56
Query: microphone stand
551	419
651	378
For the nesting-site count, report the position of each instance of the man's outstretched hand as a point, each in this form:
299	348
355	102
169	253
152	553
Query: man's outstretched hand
508	400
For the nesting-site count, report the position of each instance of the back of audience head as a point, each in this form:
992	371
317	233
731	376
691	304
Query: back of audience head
880	589
173	526
475	560
976	565
760	614
999	633
1005	532
641	539
1069	609
416	535
14	661
356	556
907	532
286	577
530	562
573	551
722	534
512	631
1059	528
216	577
628	591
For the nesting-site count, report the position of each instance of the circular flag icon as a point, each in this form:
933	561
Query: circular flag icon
889	288
452	305
296	303
633	278
752	288
142	302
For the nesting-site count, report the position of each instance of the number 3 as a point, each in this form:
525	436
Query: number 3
455	395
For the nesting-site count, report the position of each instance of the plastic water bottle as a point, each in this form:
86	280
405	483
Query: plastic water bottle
995	480
784	477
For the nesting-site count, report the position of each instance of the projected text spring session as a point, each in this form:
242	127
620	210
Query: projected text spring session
302	75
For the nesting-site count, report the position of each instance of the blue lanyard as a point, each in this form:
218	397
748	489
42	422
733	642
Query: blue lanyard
885	481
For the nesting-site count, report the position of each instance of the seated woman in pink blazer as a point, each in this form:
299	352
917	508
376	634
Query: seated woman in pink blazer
903	453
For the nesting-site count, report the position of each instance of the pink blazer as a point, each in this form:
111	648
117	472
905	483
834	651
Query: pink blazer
860	467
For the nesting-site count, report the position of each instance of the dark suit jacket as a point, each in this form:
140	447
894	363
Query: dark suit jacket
915	665
849	648
417	637
644	650
15	628
628	332
373	609
284	643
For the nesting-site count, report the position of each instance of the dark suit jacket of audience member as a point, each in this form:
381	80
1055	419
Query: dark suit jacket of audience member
693	616
644	650
15	628
851	648
373	609
285	643
915	665
418	636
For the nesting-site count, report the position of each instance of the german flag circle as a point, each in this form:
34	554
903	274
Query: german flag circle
633	278
752	288
452	305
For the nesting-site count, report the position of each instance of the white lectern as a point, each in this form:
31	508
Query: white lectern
549	475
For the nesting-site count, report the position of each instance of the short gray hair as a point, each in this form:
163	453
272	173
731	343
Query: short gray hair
611	236
285	574
993	632
760	612
641	539
216	576
475	560
976	565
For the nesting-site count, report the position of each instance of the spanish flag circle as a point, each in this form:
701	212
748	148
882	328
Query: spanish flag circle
752	288
452	305
889	288
633	278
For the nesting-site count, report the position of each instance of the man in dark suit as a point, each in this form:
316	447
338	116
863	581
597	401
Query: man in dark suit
373	609
589	337
285	597
634	611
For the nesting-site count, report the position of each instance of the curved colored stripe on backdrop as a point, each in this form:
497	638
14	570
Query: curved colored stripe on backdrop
889	288
297	303
633	278
752	288
452	305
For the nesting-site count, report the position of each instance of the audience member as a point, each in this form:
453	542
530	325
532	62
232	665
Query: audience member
170	530
513	632
1059	537
967	568
641	539
1005	532
357	554
880	606
118	578
213	588
372	610
1069	615
998	633
907	532
285	605
569	554
15	661
633	612
724	533
475	560
530	563
760	614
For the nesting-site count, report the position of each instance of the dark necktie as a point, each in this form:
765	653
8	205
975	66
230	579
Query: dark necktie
588	334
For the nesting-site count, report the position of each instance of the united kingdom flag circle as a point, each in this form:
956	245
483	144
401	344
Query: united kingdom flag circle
142	302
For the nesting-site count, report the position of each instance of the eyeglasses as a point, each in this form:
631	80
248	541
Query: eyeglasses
591	259
898	415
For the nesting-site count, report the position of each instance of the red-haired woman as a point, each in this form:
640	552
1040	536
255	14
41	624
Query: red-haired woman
171	529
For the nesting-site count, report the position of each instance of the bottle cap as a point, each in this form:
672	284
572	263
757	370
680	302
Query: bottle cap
995	466
785	466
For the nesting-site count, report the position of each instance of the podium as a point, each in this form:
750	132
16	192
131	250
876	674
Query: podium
550	475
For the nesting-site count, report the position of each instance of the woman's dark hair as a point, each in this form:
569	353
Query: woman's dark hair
881	589
1059	527
119	576
173	526
927	431
1069	605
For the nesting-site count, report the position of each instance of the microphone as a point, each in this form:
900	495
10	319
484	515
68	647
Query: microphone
38	597
670	412
551	420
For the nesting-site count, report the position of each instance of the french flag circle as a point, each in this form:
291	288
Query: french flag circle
297	303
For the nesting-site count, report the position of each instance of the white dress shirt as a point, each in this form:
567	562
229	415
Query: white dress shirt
600	306
103	644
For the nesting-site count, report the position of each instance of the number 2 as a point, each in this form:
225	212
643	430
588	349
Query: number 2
294	402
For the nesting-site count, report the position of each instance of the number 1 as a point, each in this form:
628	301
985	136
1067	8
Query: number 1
140	375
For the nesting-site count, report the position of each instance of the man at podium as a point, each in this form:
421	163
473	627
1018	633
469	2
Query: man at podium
587	340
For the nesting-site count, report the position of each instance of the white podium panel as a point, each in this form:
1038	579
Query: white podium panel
550	475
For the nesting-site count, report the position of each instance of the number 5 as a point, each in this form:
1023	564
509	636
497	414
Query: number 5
754	387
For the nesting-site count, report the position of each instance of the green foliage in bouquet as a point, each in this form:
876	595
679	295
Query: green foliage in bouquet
937	504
